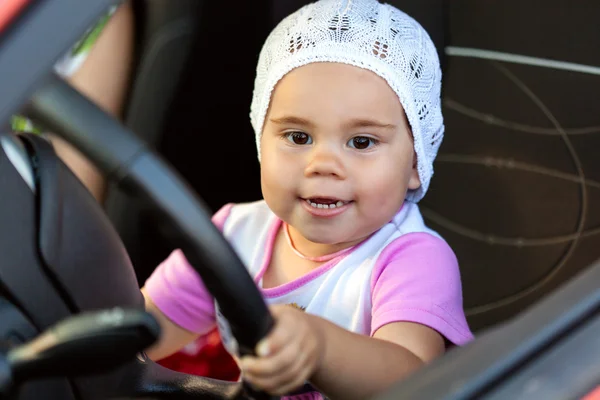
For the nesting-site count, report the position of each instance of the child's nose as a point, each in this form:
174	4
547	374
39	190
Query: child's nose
325	161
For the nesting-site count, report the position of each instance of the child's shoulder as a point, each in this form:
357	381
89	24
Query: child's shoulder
420	248
235	215
411	241
416	277
254	209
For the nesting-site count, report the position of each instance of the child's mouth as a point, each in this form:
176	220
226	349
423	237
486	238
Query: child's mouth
325	202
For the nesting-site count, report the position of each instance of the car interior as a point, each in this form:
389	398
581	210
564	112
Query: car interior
519	140
520	97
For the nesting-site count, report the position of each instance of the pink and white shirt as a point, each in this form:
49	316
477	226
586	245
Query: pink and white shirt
403	272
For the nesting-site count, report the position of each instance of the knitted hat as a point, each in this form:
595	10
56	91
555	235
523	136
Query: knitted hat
370	35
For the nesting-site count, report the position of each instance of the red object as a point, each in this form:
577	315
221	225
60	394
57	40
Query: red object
9	9
593	395
206	357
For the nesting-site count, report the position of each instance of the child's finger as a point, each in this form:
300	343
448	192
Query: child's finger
272	365
282	380
282	333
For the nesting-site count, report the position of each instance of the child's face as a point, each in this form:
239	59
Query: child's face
336	134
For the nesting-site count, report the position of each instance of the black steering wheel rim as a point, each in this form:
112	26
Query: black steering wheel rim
127	161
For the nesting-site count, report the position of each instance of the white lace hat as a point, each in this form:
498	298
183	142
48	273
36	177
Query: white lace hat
366	34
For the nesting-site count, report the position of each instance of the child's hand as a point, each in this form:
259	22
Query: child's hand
289	356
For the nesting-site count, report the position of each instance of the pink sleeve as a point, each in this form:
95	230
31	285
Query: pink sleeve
177	290
416	279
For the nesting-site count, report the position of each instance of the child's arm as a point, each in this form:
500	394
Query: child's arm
173	337
341	364
176	290
358	367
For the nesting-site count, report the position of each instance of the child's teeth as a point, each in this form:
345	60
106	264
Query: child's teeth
316	205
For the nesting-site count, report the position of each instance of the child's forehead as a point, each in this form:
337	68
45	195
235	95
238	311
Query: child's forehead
323	77
326	86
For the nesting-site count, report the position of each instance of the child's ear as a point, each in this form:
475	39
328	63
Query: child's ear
414	182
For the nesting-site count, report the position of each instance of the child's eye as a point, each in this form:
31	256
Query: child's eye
362	142
299	138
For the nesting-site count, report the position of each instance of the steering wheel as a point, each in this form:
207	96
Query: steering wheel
132	165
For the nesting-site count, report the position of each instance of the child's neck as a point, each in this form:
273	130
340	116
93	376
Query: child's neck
286	265
318	252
